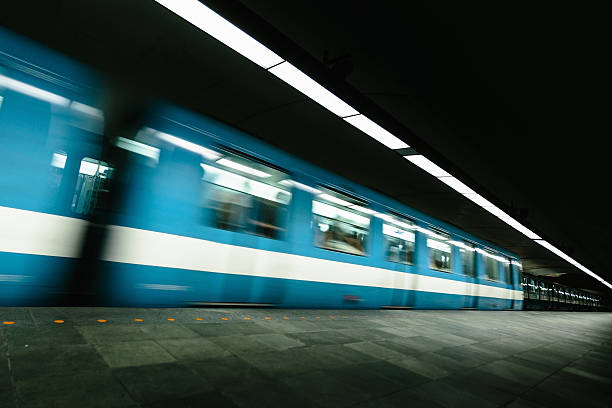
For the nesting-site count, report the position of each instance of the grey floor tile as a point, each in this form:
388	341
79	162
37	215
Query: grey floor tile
213	399
322	337
193	349
404	398
62	360
338	355
448	396
486	386
87	389
521	403
106	334
286	363
241	345
362	334
167	331
227	370
160	382
264	394
229	329
326	389
376	350
421	367
405	378
18	338
277	341
515	372
134	353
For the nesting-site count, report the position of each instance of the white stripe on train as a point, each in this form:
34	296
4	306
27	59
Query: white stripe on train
38	233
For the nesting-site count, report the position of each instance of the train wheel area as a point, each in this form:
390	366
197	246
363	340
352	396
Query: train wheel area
239	357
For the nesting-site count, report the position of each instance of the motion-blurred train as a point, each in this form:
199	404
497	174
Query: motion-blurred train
193	212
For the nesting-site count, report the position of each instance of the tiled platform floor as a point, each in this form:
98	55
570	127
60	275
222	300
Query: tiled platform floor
303	358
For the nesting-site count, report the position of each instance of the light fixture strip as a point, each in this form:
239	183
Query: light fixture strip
312	89
375	131
216	26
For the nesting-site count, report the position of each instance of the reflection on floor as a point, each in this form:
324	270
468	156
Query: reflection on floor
110	357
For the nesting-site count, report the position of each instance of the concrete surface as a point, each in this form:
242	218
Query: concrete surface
66	357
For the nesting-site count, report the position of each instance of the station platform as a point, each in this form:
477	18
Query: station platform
121	357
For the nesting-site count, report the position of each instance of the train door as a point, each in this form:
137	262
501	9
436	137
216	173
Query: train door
467	254
399	243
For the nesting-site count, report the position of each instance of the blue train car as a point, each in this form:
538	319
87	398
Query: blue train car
206	214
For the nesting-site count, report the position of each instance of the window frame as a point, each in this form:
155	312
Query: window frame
393	220
429	252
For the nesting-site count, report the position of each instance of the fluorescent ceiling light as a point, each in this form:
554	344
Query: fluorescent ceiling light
423	162
373	130
525	231
334	200
32	91
192	147
312	89
456	185
304	187
138	148
500	214
478	200
243	168
216	26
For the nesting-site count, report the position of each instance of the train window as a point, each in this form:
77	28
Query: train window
340	222
439	251
92	185
246	195
399	239
491	265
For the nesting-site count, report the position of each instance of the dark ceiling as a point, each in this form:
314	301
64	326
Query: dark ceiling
504	96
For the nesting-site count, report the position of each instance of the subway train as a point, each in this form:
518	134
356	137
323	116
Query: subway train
542	293
191	212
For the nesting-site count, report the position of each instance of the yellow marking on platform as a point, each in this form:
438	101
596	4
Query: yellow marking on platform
58	321
224	318
8	322
268	318
101	321
247	318
171	320
138	320
199	318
